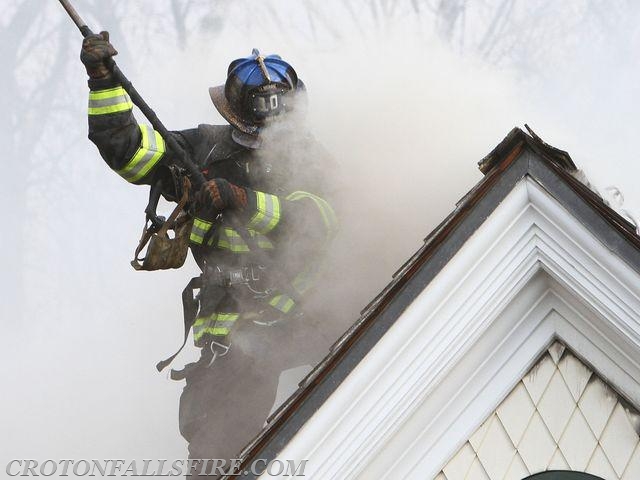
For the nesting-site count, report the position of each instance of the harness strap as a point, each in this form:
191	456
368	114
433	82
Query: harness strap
190	310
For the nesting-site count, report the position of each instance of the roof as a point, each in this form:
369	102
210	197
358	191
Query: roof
519	154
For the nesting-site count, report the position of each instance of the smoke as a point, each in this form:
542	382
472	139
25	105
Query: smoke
393	122
404	113
404	122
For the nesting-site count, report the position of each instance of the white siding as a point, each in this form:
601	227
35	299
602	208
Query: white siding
560	416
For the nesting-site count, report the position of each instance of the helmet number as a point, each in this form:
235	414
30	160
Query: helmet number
266	104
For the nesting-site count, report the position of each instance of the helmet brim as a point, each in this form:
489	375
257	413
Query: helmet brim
226	110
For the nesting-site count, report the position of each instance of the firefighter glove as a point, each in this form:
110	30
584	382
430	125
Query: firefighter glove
218	194
96	50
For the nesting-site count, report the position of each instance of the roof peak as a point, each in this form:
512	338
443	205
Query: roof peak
518	136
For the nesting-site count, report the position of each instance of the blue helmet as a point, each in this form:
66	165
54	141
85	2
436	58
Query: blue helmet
257	88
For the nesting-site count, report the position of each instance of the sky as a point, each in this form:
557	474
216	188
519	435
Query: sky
406	106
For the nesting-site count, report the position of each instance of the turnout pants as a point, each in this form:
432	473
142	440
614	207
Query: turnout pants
225	405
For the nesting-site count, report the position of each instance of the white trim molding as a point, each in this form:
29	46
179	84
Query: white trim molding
530	274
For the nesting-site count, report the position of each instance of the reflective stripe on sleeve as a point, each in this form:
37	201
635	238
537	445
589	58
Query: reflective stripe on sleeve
199	230
268	213
149	153
113	100
326	211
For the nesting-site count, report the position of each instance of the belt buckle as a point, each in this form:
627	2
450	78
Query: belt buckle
239	276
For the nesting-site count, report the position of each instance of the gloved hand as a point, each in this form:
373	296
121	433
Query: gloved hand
217	195
96	49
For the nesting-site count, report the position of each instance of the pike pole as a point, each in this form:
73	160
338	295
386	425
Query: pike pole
197	177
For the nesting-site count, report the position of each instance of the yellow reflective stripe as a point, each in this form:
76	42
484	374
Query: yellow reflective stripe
151	149
328	215
211	330
215	317
108	93
198	230
231	240
219	331
214	324
113	100
282	302
267	215
234	248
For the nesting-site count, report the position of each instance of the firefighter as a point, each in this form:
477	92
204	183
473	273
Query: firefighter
260	228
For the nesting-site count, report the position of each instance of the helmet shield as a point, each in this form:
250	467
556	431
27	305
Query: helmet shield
267	101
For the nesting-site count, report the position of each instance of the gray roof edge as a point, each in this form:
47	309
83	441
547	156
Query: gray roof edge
600	226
